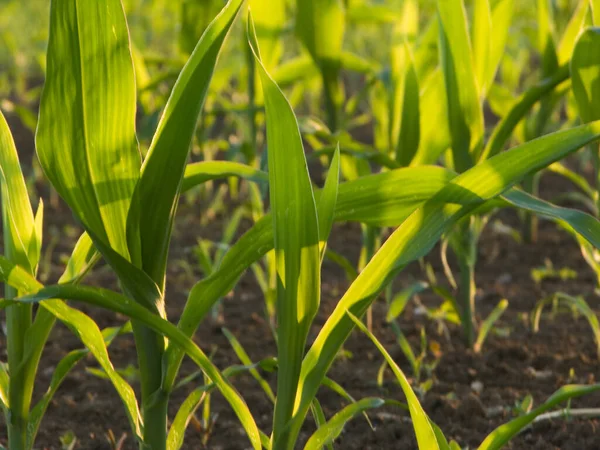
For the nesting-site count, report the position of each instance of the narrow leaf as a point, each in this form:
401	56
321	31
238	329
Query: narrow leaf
296	239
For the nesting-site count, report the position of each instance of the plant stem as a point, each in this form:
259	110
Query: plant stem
466	299
18	321
334	97
371	244
464	245
595	152
150	348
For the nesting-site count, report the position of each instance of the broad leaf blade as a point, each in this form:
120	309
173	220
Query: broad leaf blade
90	154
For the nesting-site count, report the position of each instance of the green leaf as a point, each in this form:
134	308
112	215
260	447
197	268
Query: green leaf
326	433
83	327
501	435
270	20
522	106
582	223
465	113
405	122
4	381
426	438
502	18
150	219
585	74
296	238
488	323
374	199
400	300
183	417
201	172
482	42
121	304
571	33
434	136
320	25
595	5
327	202
20	235
546	31
82	259
90	155
62	370
419	233
245	359
365	13
319	416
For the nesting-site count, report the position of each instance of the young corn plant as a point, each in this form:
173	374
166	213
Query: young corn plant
128	213
91	157
469	59
29	330
585	65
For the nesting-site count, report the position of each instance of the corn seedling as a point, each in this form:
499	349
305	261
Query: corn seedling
576	305
87	145
430	436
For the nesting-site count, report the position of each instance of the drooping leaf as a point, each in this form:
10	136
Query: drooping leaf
327	432
417	235
201	172
119	303
83	327
522	106
374	199
501	435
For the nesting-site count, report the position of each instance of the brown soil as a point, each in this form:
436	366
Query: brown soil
510	367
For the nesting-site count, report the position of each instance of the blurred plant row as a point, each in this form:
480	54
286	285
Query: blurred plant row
422	120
